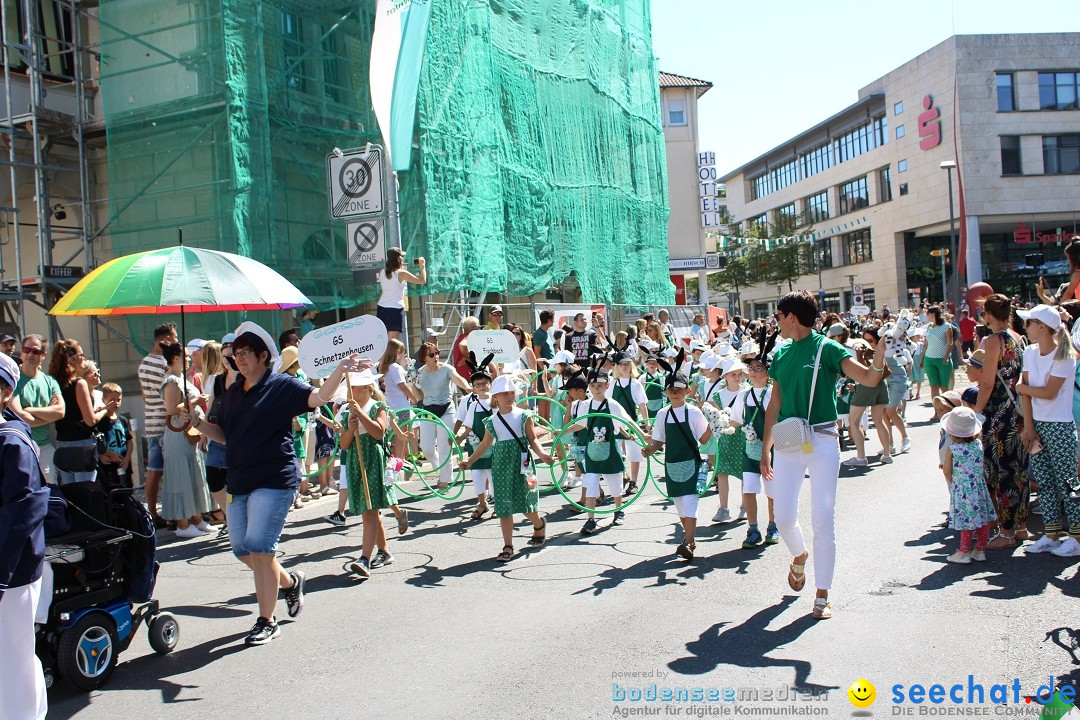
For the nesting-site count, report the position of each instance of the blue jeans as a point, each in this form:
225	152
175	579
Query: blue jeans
155	458
64	477
257	519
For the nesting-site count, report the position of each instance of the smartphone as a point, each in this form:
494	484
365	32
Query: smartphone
416	261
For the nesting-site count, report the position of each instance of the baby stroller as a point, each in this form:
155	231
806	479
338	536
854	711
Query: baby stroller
99	576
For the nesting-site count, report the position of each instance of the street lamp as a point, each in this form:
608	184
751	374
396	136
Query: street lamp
948	166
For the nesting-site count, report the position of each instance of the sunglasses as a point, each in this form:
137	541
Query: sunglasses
232	362
33	352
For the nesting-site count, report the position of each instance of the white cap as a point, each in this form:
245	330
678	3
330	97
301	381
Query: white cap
196	345
504	383
271	346
365	377
696	345
670	352
1043	313
748	348
732	364
564	356
709	361
723	350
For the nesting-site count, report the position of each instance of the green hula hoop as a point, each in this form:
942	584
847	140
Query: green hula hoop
333	455
641	487
458	477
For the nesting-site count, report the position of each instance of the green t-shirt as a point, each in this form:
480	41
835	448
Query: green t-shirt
793	369
37	392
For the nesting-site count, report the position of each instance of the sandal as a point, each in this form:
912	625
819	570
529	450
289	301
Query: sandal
506	554
686	552
1001	542
539	535
822	609
796	577
1022	534
403	521
478	513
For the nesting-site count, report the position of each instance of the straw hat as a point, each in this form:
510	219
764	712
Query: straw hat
960	422
289	357
977	358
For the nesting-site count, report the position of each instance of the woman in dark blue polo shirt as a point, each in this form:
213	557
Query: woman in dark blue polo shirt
255	423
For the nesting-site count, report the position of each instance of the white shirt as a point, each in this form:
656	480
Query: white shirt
516	420
391	290
739	409
466	411
687	413
637	390
366	410
395	397
1039	368
584	407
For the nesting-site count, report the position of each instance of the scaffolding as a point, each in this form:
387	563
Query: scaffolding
48	127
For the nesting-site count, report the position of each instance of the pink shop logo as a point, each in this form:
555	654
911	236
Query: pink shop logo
929	124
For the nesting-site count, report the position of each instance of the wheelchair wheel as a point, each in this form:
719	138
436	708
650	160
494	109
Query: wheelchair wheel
88	650
163	632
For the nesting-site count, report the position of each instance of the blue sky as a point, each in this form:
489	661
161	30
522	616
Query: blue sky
780	66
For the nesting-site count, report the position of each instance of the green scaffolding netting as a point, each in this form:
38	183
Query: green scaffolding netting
538	149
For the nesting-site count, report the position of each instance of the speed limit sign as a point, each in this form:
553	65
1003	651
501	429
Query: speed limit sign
355	181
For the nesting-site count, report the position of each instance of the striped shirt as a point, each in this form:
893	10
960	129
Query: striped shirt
936	340
152	372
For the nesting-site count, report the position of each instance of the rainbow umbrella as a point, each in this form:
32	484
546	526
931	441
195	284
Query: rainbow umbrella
179	280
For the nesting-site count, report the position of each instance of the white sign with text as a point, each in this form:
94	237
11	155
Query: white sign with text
501	343
323	348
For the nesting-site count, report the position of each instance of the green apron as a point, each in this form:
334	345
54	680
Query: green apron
682	459
756	419
624	395
512	493
476	434
655	392
601	450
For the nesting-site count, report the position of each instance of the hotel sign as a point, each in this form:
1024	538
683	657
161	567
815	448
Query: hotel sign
708	204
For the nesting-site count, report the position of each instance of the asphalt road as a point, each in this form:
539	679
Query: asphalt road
446	632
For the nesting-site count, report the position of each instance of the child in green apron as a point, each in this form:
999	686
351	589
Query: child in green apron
749	413
509	433
707	382
680	428
629	393
365	424
602	458
469	428
576	394
729	448
654	385
563	364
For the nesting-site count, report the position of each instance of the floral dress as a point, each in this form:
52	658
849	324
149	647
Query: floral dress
970	505
382	494
1004	455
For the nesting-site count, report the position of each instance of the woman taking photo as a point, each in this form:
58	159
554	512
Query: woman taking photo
433	383
937	357
74	429
255	424
1072	290
392	281
183	494
1004	453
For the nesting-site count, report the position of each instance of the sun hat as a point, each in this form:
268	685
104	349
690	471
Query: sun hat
949	398
504	383
977	358
1043	313
960	422
358	379
732	364
748	349
257	330
289	357
565	357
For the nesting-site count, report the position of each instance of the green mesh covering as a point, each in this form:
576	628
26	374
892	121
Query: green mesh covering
542	149
538	143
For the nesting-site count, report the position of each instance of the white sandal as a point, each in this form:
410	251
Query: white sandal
822	609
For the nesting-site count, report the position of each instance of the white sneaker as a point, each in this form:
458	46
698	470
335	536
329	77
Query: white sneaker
1069	547
722	515
959	558
574	482
905	445
978	556
204	526
856	462
742	513
190	531
886	459
1044	544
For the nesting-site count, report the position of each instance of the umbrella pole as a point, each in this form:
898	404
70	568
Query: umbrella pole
359	451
